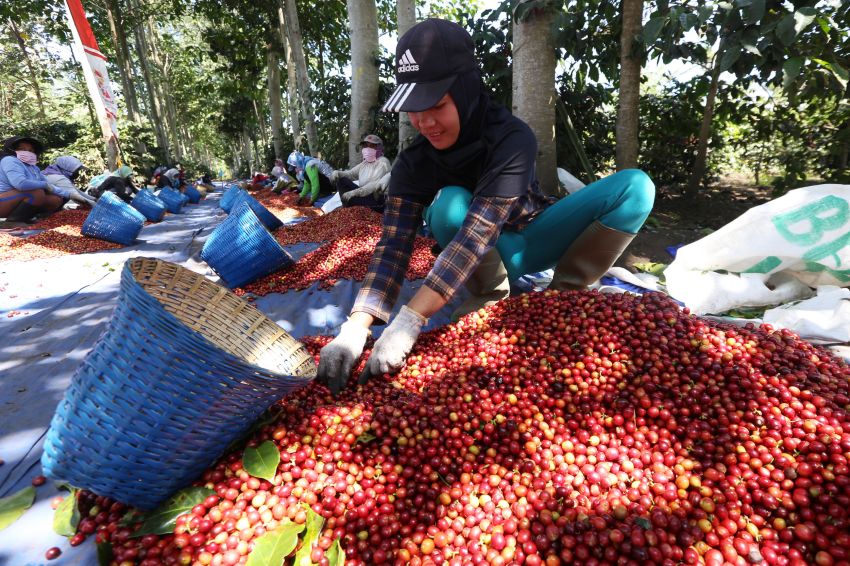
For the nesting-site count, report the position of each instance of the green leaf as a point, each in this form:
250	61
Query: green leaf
753	12
67	516
688	20
161	520
104	553
335	554
803	18
730	57
314	523
791	70
652	29
785	30
704	13
839	72
13	506
652	268
262	461
366	437
271	548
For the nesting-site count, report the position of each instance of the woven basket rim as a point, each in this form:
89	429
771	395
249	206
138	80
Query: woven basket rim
263	371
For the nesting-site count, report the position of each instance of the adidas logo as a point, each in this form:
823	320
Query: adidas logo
408	64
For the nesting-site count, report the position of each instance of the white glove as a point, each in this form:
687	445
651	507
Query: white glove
392	348
337	359
81	198
345	197
334	176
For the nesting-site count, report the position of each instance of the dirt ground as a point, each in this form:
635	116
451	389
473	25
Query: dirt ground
677	220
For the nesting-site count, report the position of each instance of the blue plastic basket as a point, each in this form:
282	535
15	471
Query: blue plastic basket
172	199
113	220
193	194
229	197
183	369
149	204
242	250
268	219
183	197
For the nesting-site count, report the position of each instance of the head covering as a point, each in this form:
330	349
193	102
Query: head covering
278	162
372	138
124	172
297	159
172	173
10	144
429	57
65	165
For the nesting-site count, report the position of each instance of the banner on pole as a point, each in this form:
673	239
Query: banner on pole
94	69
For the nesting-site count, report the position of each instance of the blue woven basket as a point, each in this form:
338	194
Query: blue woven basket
193	194
268	219
149	204
229	197
183	369
184	197
172	199
113	220
241	250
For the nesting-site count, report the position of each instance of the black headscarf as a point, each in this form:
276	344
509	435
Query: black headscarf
421	170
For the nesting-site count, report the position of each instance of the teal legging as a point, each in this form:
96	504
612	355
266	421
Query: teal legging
621	201
311	183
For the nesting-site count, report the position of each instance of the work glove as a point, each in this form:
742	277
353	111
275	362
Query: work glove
81	198
392	348
334	176
345	197
337	359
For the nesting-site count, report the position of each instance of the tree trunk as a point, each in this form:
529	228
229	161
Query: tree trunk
16	35
293	32
291	81
274	100
630	67
533	89
261	125
406	15
246	151
163	91
155	111
122	57
363	23
695	181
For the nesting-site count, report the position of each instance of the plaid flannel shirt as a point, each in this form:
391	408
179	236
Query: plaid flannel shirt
485	220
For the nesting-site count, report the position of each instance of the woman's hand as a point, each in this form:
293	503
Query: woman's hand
392	348
337	359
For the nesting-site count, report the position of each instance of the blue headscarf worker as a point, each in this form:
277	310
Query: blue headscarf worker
470	175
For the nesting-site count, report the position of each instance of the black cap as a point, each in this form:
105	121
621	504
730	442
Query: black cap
9	144
428	59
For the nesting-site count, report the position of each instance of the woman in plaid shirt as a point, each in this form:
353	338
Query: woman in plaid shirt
470	175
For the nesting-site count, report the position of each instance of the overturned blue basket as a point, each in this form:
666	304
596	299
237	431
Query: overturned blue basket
193	194
268	219
113	220
241	250
229	197
183	369
172	199
149	204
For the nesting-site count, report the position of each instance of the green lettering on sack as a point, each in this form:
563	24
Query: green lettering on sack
816	215
766	265
843	276
829	249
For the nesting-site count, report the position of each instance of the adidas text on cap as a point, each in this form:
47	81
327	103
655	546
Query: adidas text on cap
428	59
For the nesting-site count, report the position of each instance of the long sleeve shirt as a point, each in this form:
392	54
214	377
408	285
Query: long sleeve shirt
368	175
15	175
486	219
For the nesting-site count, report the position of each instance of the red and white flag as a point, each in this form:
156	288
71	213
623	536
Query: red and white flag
94	68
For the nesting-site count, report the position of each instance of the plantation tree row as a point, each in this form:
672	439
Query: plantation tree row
762	85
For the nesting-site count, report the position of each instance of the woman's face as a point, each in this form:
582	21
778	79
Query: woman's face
440	124
24	146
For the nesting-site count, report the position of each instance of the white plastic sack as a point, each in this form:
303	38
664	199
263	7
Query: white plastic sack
569	182
332	203
773	253
823	319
